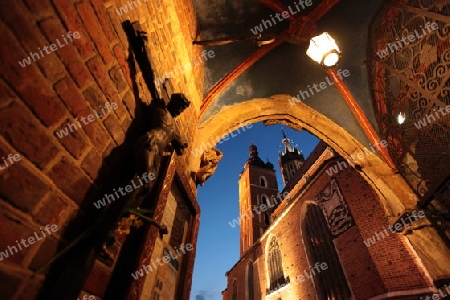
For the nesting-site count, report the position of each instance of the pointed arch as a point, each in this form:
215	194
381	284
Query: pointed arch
274	263
331	282
262	181
393	191
234	292
265	215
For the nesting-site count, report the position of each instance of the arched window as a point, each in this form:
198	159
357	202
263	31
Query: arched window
275	266
250	293
234	295
293	169
262	181
266	219
330	284
266	216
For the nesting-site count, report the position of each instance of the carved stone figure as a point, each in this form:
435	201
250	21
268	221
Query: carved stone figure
208	165
160	130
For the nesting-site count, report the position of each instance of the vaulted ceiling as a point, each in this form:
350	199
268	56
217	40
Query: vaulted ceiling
287	69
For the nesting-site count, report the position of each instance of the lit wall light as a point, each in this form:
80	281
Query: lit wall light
401	117
323	49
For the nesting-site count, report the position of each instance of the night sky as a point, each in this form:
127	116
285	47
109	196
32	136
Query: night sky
218	242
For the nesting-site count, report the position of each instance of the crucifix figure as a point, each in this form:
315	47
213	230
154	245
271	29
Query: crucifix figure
160	131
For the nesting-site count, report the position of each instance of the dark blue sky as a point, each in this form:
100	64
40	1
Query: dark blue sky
218	242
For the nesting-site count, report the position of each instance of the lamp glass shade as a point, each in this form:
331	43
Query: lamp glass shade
323	49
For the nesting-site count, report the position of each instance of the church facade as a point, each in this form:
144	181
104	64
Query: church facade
327	237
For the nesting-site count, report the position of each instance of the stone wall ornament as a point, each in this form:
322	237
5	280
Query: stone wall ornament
335	209
208	165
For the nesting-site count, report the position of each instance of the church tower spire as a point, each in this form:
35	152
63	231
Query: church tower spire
258	187
286	142
290	160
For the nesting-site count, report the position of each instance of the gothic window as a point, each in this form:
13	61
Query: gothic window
266	219
275	266
234	295
264	200
250	292
262	181
330	283
292	169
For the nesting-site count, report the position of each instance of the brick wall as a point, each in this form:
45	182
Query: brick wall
390	256
387	266
55	176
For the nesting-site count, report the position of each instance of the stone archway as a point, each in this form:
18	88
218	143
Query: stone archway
395	194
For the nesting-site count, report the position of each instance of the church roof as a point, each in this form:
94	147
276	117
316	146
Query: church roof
290	153
255	160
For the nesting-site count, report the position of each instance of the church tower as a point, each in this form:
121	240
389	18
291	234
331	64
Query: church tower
257	188
290	160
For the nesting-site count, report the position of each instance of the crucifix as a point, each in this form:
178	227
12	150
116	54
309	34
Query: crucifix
160	133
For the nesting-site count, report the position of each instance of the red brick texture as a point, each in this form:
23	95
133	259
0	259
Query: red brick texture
250	196
50	182
387	266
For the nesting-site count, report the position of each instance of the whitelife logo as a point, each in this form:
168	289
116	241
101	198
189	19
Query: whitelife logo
281	17
131	4
383	53
360	155
166	258
441	294
300	278
90	118
129	188
396	228
10	158
181	69
422	122
53	48
323	85
218	140
318	266
263	207
31	240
